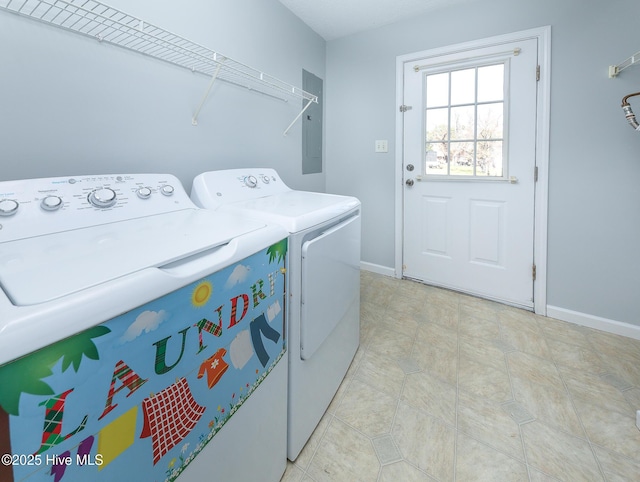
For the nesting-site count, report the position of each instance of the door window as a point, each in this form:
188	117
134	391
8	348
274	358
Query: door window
465	112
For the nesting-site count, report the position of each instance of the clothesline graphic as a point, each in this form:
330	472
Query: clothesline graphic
171	414
169	417
115	442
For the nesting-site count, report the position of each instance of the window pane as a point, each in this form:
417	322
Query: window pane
489	158
436	158
463	86
437	124
463	122
490	118
491	83
462	158
438	90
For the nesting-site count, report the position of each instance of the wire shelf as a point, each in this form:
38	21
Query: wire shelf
107	24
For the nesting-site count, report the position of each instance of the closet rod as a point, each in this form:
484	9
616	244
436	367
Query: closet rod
515	52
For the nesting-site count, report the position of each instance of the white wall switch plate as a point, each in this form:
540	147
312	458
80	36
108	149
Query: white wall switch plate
382	146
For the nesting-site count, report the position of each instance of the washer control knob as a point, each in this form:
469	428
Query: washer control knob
266	179
143	192
51	203
250	181
103	197
8	207
167	190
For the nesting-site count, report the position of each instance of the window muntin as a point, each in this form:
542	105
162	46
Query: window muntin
464	121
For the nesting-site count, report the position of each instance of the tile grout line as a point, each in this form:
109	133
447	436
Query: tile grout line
315	450
575	409
455	443
398	400
520	430
522	441
379	476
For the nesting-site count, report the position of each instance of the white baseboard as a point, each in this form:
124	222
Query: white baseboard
591	321
379	269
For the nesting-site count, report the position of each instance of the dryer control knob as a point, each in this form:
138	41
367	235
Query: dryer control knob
103	197
51	203
250	181
167	190
143	192
266	179
8	207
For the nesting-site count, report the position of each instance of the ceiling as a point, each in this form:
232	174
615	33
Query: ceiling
332	19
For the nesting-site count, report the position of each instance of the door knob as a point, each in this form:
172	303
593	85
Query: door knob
409	182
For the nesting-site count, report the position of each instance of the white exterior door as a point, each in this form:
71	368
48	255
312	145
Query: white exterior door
469	158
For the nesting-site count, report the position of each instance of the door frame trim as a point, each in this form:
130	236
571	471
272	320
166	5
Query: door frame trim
541	188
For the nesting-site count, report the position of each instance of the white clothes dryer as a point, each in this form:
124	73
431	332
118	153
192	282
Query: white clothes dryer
141	338
323	312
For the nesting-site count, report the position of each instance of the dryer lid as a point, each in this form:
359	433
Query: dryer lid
261	194
43	268
295	210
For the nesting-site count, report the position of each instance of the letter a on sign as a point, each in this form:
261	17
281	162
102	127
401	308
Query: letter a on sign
129	379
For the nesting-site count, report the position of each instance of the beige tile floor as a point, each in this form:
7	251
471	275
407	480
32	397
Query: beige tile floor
448	387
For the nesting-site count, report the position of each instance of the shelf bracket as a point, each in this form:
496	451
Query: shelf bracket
614	70
286	131
194	120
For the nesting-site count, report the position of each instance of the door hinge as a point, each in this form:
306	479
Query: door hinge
405	108
533	272
535	174
537	73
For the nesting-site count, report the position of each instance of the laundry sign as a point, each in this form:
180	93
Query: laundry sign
139	396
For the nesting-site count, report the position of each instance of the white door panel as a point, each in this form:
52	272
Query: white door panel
435	226
487	232
472	228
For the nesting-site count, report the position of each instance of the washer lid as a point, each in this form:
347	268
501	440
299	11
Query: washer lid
294	210
44	268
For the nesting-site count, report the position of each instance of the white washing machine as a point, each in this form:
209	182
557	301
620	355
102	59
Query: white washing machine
323	281
141	338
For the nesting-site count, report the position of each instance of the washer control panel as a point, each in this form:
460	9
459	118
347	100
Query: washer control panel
35	207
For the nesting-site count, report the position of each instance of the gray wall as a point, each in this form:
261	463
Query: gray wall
594	198
71	105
